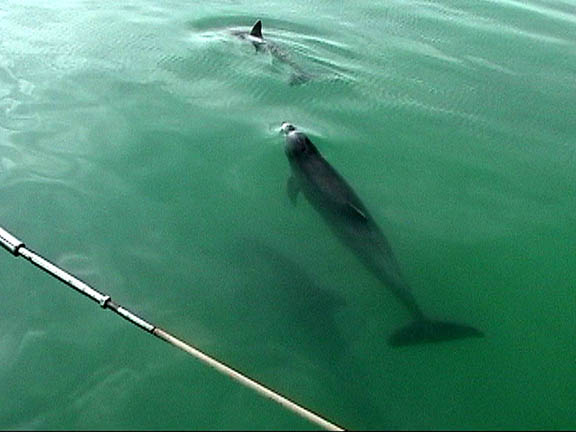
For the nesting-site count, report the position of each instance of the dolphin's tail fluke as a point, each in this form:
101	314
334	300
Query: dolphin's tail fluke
427	331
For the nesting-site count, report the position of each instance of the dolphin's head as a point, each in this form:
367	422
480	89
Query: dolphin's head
286	128
297	143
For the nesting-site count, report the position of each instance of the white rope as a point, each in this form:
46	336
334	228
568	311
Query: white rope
17	248
248	382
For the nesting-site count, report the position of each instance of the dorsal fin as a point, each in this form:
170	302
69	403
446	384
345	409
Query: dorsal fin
257	30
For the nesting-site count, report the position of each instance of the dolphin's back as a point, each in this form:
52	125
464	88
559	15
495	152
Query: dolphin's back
324	186
331	195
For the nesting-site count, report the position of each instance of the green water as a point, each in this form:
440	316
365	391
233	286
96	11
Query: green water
139	150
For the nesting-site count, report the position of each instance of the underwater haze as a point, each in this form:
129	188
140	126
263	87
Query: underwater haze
140	150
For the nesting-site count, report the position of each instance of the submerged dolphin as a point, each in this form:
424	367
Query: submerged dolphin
349	219
298	76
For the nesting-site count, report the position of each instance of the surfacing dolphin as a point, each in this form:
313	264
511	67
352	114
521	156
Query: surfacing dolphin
338	204
298	76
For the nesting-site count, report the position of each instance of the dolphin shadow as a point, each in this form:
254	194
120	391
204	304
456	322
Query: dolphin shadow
281	303
294	323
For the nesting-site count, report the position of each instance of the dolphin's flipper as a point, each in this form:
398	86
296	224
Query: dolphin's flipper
292	187
427	331
257	30
354	213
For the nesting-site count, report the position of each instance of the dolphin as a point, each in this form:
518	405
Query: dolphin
298	76
337	203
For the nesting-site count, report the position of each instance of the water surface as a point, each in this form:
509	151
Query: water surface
139	149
